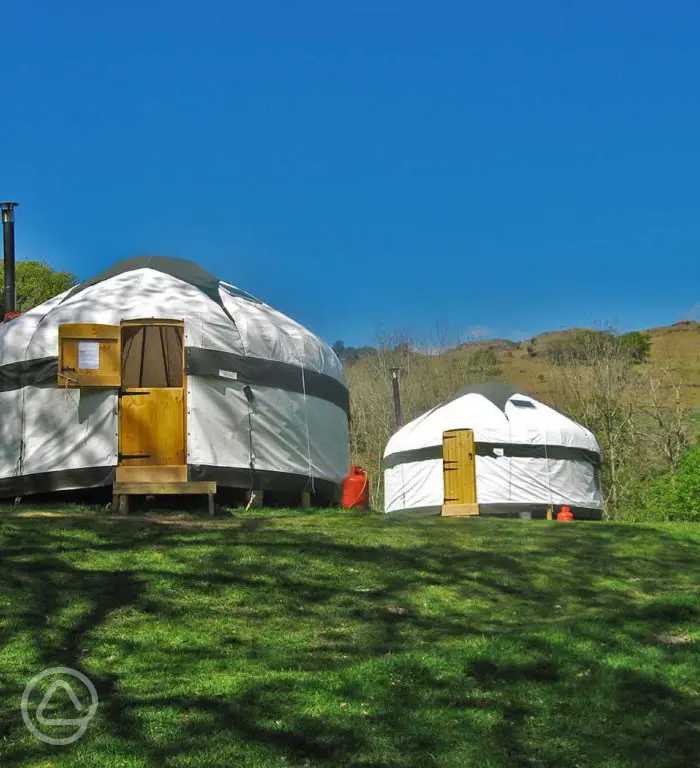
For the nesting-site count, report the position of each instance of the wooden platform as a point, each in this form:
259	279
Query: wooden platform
121	492
165	489
165	473
460	510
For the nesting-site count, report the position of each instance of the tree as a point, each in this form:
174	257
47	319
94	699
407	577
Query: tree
636	346
589	346
482	364
641	430
671	495
348	355
35	283
593	385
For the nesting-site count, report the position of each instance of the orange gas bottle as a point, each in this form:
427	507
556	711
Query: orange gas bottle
356	489
565	515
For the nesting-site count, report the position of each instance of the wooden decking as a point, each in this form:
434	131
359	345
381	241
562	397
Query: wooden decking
122	491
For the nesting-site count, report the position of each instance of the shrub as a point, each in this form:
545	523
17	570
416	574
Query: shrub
482	362
590	346
635	345
673	496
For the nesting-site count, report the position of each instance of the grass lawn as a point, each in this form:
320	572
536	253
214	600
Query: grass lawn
324	638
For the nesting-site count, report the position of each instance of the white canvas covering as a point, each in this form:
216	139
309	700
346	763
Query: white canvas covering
527	455
294	429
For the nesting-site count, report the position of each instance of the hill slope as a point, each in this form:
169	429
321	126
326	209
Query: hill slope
675	347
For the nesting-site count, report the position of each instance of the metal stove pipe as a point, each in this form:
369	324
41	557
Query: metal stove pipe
8	242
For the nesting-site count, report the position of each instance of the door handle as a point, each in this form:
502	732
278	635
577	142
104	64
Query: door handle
125	393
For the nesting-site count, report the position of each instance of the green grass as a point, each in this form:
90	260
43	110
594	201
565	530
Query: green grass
281	638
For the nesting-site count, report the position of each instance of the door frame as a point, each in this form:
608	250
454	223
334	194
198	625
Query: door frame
145	473
467	504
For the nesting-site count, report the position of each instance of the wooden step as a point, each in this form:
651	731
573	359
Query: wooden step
122	491
164	473
200	487
460	510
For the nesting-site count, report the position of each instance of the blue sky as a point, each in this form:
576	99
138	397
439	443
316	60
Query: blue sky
368	167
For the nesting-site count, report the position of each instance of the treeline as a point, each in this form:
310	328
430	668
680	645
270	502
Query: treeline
634	346
349	355
35	283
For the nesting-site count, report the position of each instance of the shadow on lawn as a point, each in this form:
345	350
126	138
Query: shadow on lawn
469	681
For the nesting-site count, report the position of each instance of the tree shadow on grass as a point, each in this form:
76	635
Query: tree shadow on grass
435	650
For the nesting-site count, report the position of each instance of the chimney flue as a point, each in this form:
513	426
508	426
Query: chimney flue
395	381
8	241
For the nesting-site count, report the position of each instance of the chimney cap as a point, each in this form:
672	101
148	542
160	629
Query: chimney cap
7	209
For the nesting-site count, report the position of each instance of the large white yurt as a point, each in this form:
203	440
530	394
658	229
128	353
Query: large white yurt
492	451
157	370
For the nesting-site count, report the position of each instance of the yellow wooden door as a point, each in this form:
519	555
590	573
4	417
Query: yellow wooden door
152	427
459	473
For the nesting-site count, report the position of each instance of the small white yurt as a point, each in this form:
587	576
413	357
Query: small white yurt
492	451
157	371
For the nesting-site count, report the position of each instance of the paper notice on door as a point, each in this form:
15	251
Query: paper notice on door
88	355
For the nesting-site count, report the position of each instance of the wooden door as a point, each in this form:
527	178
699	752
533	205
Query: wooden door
152	427
459	473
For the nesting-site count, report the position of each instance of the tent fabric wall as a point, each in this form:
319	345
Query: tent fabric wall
10	431
76	428
527	454
299	414
219	430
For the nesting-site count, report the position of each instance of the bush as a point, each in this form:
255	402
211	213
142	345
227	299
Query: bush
581	347
589	346
673	496
482	362
635	345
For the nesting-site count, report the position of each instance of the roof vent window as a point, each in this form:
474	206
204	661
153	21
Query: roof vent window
239	293
522	403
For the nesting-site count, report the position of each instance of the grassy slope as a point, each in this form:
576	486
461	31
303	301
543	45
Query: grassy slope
675	347
327	638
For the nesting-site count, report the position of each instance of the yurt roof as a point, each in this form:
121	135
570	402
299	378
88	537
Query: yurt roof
496	391
498	413
181	269
220	317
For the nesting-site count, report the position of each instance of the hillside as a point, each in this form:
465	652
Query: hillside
524	364
675	347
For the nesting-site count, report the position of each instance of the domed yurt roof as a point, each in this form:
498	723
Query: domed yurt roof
221	316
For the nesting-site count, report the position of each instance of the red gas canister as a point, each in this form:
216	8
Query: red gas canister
565	515
356	489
